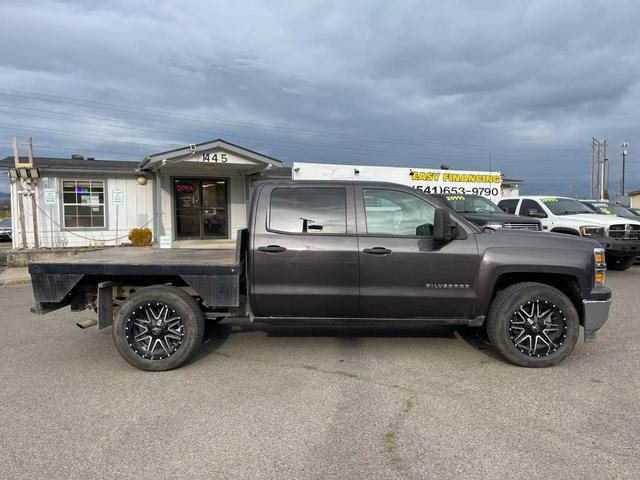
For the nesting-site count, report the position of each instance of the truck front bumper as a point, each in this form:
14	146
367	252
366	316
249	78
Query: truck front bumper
596	313
620	247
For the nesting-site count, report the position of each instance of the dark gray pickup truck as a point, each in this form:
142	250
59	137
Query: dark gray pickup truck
349	253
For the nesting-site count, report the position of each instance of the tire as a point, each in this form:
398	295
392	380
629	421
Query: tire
620	263
174	328
556	334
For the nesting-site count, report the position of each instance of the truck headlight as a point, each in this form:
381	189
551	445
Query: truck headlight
493	225
601	267
591	231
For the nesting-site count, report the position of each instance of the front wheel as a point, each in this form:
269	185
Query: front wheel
619	263
158	328
533	325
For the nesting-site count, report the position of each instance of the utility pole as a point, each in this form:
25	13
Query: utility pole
593	158
597	146
16	159
598	168
605	173
623	151
34	204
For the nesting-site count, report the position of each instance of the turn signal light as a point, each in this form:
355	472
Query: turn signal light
601	266
598	256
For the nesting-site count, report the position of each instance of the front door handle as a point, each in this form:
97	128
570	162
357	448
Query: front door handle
272	249
377	251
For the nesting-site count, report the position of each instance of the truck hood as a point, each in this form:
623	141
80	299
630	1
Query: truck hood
525	239
596	219
482	218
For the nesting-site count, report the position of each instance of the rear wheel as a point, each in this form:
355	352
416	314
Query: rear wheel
619	263
158	328
533	325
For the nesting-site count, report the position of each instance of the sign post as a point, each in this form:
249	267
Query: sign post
50	198
117	200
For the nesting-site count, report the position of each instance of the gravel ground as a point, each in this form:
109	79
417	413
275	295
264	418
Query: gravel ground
265	402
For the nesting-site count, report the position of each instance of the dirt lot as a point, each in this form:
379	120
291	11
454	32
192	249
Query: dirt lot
316	403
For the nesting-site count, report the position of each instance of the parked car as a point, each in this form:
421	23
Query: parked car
635	211
486	214
5	229
620	237
351	253
603	207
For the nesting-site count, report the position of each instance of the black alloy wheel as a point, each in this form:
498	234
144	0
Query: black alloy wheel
154	331
538	328
158	328
532	324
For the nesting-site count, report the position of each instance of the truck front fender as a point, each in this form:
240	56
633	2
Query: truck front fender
532	263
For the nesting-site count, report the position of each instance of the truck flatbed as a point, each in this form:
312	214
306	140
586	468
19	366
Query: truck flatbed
213	273
143	261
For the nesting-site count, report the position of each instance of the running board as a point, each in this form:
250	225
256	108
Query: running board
472	322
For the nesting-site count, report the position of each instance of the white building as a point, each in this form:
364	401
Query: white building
198	192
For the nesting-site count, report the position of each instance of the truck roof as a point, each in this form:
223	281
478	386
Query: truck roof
536	197
366	183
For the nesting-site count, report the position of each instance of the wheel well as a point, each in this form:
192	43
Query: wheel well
568	231
565	283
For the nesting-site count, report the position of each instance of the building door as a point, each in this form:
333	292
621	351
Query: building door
201	208
214	209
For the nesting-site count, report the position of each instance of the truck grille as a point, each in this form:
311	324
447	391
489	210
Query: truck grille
523	226
631	232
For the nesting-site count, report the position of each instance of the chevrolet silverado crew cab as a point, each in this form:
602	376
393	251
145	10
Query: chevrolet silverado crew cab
619	236
341	252
485	214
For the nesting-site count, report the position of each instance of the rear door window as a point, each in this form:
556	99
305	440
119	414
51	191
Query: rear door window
509	205
308	210
529	207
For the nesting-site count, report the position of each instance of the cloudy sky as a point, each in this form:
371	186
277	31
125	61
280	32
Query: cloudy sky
523	85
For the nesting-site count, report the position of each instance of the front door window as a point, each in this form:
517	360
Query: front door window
214	208
201	208
187	194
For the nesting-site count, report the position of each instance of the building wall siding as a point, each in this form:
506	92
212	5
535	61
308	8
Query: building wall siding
137	212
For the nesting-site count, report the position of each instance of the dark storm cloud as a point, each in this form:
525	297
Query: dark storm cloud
519	86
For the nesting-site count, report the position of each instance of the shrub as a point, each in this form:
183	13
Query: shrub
140	237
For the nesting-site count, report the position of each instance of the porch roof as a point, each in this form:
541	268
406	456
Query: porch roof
189	152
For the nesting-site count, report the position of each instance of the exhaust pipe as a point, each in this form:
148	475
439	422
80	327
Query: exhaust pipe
87	323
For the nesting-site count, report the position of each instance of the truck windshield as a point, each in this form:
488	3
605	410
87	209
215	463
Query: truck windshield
605	208
472	204
565	206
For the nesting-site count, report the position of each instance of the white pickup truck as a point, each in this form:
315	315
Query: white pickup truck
619	236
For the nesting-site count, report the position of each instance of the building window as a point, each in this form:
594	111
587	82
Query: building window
83	203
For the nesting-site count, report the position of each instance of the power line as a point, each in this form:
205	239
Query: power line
119	124
212	120
418	155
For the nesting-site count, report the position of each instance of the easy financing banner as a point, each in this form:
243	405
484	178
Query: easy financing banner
457	182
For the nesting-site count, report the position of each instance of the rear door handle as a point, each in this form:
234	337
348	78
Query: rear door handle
377	251
272	249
